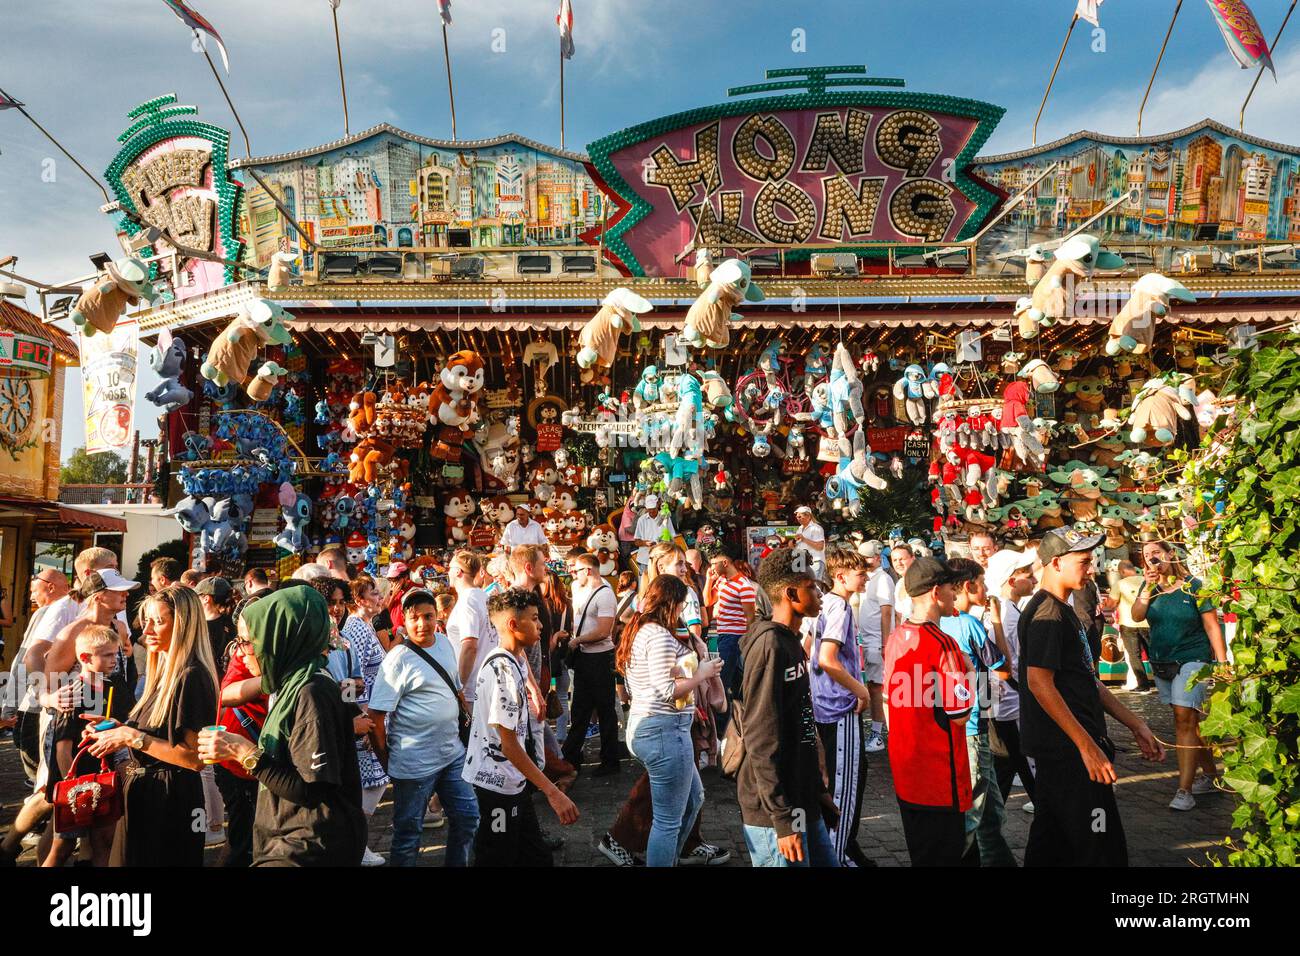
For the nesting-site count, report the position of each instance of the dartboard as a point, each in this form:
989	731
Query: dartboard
17	411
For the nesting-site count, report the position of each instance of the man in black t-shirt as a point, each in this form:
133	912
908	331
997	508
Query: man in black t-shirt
1063	723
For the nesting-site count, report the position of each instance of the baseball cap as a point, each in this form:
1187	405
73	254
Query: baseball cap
803	509
652	502
396	569
218	587
106	580
871	549
1004	563
417	596
1061	541
924	574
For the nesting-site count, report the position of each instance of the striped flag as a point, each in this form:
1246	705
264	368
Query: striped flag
7	102
195	21
565	20
1088	10
1241	33
444	11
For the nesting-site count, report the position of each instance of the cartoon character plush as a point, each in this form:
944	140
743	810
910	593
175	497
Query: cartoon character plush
1133	329
853	474
709	317
910	390
281	271
1076	258
362	411
122	283
542	481
267	378
369	455
796	443
452	399
1157	409
598	340
355	546
1040	376
688	423
647	390
716	393
1089	394
1036	259
703	267
563	498
167	359
457	509
845	392
296	510
259	323
1016	426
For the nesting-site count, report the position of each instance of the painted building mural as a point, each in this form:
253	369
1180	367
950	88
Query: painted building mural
388	188
1203	183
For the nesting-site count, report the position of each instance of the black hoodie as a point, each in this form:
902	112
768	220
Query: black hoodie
780	774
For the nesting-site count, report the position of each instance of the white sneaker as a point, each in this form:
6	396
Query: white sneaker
434	819
1028	807
30	840
1182	801
1204	783
875	743
371	858
1015	781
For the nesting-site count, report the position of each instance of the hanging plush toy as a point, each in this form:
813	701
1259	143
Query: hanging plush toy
1159	406
688	423
1017	428
598	340
845	392
167	359
1078	258
453	398
1040	376
281	271
709	318
1133	330
296	510
647	389
259	323
268	377
910	389
945	385
853	474
1036	259
457	510
122	283
716	393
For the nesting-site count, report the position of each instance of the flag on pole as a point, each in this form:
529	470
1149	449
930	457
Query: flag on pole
7	102
565	20
444	11
335	3
195	21
1241	33
1088	10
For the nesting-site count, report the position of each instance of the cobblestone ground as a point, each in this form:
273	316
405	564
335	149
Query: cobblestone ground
1157	836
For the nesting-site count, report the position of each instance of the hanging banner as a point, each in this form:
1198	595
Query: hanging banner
108	386
1245	40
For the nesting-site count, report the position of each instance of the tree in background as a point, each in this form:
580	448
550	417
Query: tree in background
102	468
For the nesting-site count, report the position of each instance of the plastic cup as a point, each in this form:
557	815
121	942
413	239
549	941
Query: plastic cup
214	728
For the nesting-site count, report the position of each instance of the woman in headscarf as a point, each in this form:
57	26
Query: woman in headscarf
309	807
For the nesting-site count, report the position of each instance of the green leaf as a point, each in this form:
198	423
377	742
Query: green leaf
1288	702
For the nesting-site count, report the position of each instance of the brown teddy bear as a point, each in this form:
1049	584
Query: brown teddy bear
121	284
708	323
598	340
1133	330
259	323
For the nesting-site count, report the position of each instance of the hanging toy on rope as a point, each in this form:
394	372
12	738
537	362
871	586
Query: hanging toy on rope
1133	329
1053	299
598	340
709	317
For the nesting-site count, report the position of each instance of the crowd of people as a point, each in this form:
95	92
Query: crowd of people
272	718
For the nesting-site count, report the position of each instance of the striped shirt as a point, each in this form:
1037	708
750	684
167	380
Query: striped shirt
729	611
649	675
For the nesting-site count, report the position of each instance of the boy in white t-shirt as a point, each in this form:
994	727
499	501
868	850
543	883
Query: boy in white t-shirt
875	620
506	751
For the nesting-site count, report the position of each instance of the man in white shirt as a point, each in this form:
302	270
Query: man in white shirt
875	620
523	530
49	586
594	607
901	558
650	529
469	629
811	540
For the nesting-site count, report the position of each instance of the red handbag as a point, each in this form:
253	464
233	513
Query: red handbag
92	798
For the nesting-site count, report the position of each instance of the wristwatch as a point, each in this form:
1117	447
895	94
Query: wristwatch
249	762
137	742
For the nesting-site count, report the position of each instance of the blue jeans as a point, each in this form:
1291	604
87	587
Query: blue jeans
818	850
729	649
985	818
663	743
411	799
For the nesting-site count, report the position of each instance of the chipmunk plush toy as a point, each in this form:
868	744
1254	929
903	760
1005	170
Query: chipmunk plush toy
368	456
603	543
452	399
708	320
259	323
457	508
122	283
361	412
598	340
1133	329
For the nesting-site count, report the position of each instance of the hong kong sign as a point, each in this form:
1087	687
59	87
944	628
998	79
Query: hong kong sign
834	169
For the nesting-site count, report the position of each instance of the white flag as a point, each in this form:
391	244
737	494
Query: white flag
565	20
335	3
444	11
1088	10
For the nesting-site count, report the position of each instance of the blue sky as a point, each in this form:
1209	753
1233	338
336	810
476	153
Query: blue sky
81	66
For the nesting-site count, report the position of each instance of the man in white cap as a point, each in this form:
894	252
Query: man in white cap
875	620
1010	580
810	539
650	528
1063	708
523	530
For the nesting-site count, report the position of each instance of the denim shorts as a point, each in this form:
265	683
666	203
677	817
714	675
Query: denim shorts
1175	691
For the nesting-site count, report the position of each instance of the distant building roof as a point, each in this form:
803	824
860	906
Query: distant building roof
20	320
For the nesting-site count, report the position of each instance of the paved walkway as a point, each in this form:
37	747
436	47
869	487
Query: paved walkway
1157	836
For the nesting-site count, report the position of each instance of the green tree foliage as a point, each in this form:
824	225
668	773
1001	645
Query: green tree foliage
1243	490
103	468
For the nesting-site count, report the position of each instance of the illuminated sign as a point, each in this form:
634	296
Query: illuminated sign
24	356
824	168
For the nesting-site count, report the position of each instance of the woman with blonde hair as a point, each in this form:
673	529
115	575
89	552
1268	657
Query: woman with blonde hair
162	793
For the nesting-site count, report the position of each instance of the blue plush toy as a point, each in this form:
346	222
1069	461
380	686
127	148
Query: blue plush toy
296	518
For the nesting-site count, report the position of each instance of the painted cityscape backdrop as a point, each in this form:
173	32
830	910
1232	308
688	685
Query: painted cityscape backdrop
395	189
1203	183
